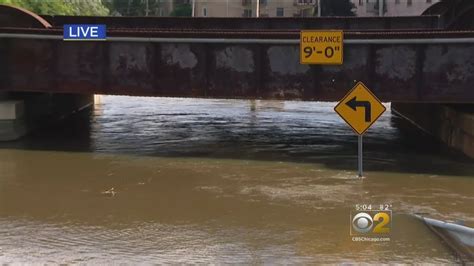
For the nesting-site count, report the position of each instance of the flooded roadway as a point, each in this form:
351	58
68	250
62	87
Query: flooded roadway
222	181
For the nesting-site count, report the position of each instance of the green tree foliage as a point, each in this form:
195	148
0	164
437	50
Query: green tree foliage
182	11
134	7
337	8
61	7
87	7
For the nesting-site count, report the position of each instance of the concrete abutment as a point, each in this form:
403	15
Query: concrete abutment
453	124
21	113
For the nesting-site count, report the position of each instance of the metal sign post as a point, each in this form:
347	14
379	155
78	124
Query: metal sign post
360	109
360	156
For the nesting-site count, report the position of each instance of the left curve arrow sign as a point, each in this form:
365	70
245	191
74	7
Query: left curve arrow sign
353	104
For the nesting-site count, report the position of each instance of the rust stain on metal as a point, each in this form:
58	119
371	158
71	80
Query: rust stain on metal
443	73
130	67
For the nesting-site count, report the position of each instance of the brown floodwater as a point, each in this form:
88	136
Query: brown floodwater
167	180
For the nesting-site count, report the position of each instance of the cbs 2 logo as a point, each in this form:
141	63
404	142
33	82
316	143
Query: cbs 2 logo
377	223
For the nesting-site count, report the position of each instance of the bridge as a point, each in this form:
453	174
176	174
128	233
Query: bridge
402	59
424	59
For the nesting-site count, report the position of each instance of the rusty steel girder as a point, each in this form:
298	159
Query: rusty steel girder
11	16
395	72
454	14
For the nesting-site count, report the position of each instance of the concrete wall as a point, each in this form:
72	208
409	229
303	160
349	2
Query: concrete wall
13	123
23	112
452	124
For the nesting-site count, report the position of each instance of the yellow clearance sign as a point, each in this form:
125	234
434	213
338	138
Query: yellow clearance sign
321	47
360	108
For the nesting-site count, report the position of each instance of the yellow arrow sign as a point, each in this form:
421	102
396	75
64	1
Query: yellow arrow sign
360	108
321	47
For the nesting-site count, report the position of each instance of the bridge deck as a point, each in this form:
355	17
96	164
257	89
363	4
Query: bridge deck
141	62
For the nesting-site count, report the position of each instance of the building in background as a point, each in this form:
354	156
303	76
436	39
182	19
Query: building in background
160	8
166	7
248	8
370	8
265	8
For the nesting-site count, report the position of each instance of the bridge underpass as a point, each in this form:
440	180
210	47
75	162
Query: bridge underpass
398	66
249	59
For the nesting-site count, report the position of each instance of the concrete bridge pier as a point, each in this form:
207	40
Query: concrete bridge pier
21	113
453	124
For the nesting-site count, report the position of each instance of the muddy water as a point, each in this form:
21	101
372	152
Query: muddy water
222	181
